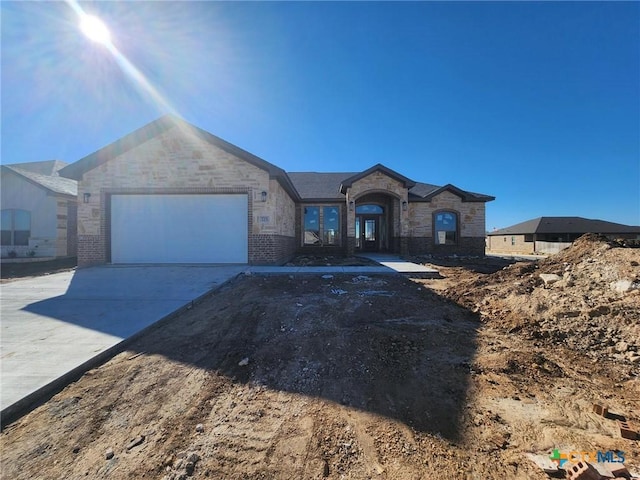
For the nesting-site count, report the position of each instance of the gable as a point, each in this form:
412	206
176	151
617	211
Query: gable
160	127
379	171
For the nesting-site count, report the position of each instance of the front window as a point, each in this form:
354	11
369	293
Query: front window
312	226
321	225
446	228
16	227
331	225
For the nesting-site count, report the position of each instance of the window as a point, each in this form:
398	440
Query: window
331	225
312	226
513	240
16	227
446	228
369	209
321	226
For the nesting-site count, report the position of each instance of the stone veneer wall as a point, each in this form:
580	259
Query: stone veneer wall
179	162
378	182
471	224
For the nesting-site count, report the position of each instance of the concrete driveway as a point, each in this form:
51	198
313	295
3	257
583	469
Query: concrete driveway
53	324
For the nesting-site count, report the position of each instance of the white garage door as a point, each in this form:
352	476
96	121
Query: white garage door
179	229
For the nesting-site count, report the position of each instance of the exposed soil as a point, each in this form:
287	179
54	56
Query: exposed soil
331	260
14	271
355	377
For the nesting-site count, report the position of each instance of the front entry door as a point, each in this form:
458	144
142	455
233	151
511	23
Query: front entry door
369	233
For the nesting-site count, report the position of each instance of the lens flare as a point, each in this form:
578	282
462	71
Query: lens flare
95	29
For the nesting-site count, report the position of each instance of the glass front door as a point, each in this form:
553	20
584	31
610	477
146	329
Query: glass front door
367	237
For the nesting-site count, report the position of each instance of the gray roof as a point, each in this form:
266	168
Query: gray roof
315	186
46	167
319	186
575	225
52	183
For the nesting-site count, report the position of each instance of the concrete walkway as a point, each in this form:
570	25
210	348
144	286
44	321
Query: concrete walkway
387	264
399	265
55	327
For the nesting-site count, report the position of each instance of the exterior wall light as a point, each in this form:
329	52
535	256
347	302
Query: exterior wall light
352	205
405	205
264	196
86	197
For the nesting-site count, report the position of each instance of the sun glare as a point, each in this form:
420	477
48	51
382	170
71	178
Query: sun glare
95	29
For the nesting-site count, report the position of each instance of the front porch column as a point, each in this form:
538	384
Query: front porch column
351	224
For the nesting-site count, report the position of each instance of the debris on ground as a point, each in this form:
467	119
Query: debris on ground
484	373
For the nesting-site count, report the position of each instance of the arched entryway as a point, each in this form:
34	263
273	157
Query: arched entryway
376	215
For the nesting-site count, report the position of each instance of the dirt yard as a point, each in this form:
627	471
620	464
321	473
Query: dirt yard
354	377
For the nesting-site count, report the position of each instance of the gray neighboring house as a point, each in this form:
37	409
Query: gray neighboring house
39	211
544	235
171	192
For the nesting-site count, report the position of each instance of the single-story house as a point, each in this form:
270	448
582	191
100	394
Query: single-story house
170	192
552	234
38	211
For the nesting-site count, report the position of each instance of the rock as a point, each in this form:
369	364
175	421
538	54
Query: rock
621	286
550	278
76	449
622	346
199	428
135	442
244	362
568	279
193	457
109	454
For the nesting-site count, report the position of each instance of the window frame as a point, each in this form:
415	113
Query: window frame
456	232
12	231
322	230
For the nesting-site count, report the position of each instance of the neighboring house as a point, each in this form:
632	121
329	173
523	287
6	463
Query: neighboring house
38	211
173	193
552	234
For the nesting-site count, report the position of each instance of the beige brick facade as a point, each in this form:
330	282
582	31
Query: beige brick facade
169	156
178	162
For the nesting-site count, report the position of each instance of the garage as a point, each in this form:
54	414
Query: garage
203	228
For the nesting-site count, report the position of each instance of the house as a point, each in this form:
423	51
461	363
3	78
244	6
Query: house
552	234
170	192
38	210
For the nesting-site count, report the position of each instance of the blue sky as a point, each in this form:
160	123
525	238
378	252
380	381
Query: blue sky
537	104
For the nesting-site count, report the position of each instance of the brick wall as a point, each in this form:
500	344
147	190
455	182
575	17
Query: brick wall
91	250
473	246
271	249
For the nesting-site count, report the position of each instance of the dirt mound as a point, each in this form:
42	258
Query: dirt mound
586	298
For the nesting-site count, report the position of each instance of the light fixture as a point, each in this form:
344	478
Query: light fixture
264	196
405	206
352	204
86	197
